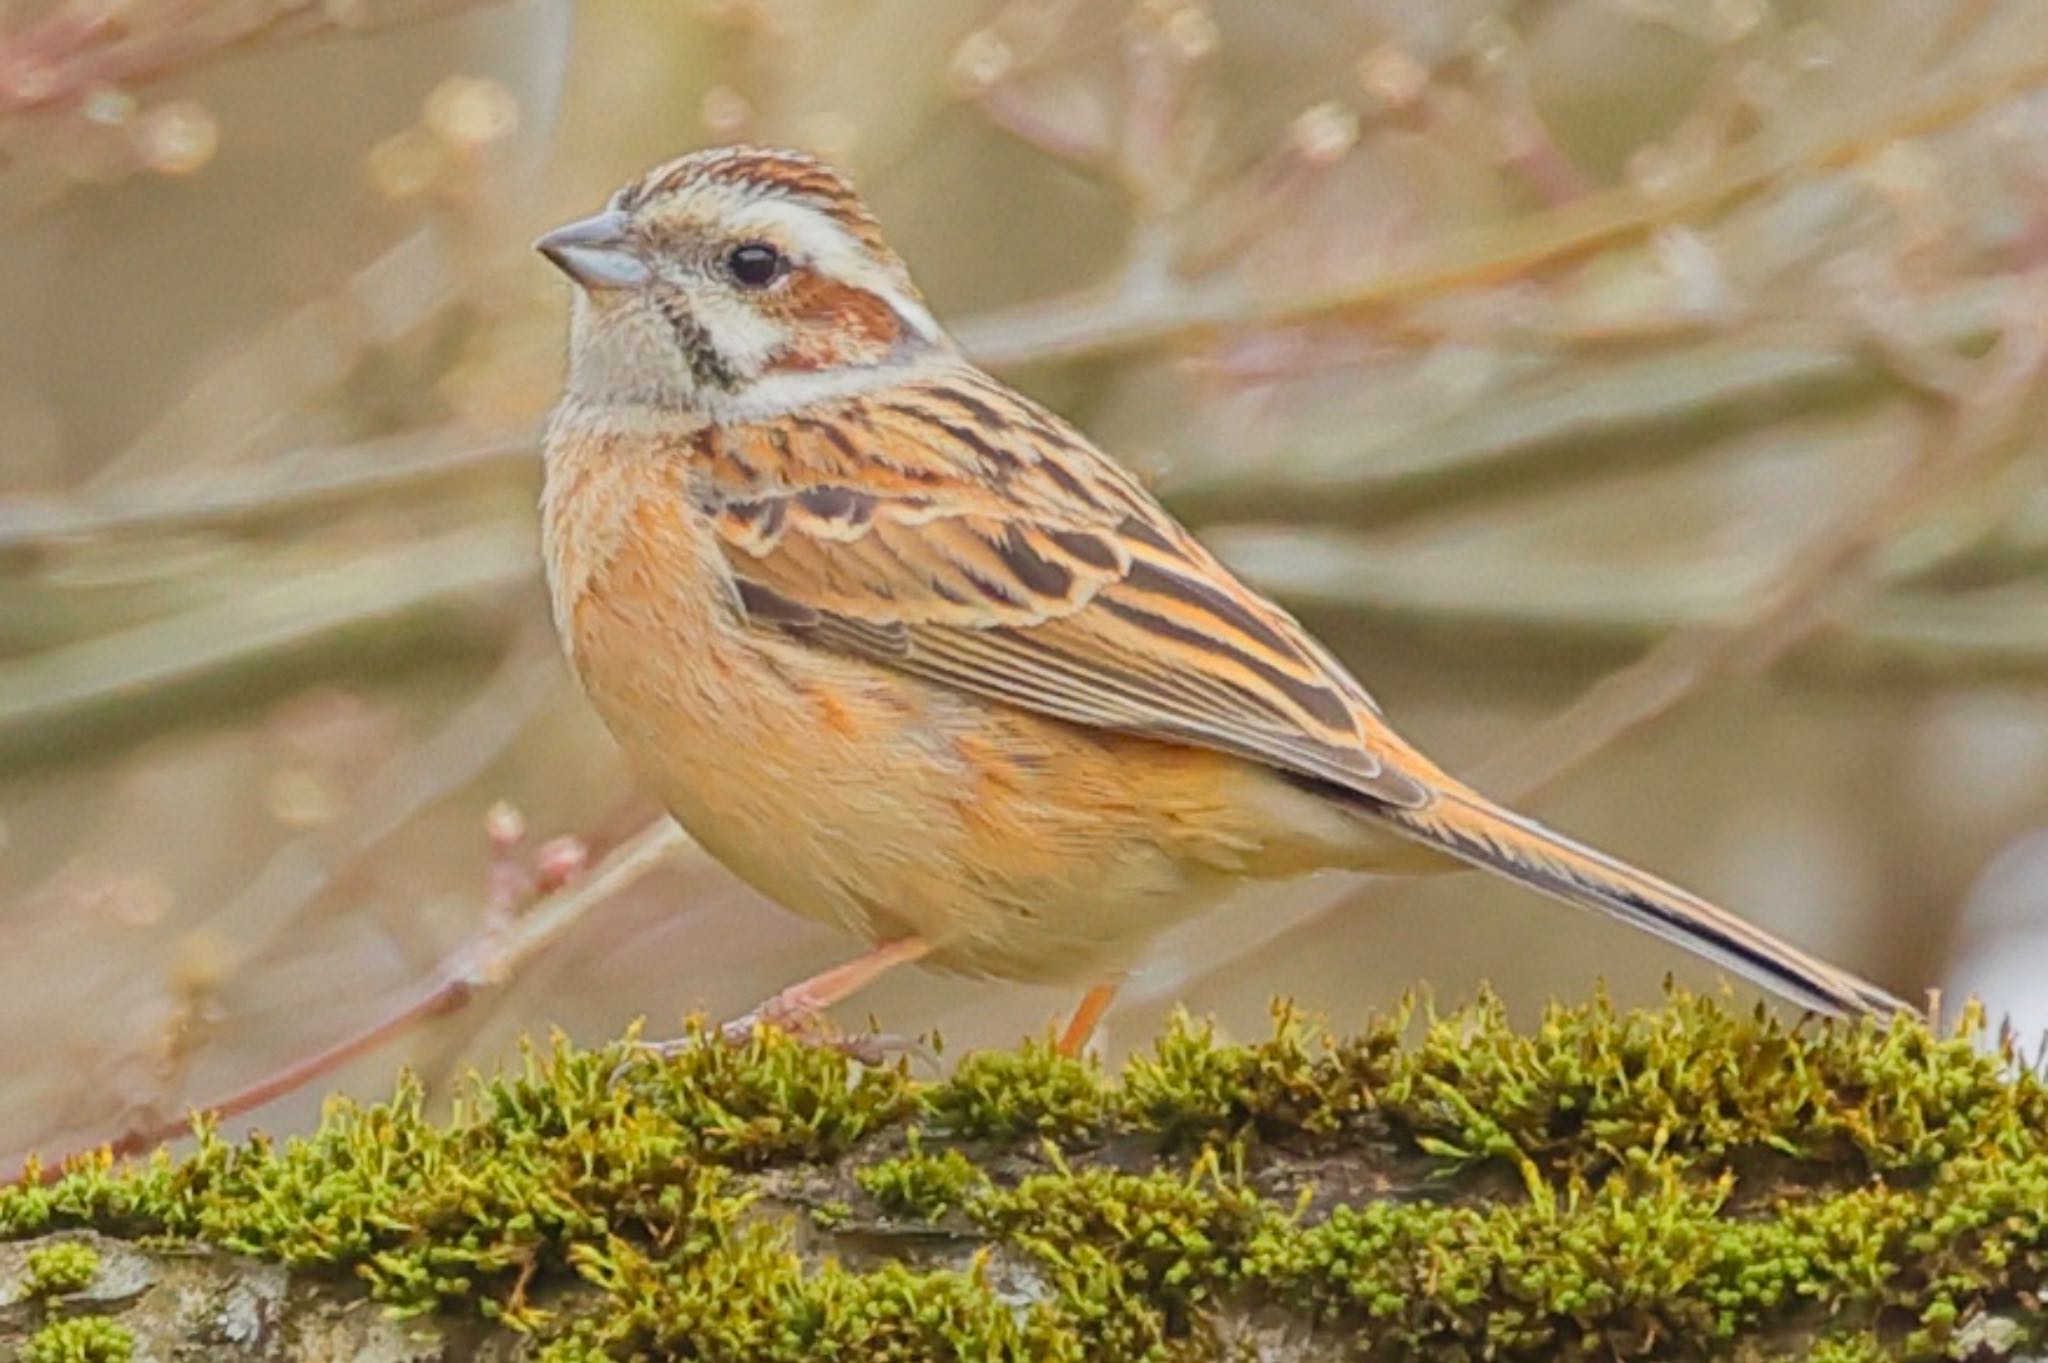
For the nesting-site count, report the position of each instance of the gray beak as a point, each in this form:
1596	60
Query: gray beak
595	253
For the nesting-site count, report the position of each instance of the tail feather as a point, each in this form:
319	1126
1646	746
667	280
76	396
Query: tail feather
1475	830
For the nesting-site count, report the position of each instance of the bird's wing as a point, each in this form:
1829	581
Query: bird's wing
961	534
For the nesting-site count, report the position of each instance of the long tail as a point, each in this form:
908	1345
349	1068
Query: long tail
1474	829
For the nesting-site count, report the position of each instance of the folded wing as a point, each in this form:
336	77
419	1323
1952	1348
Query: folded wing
967	538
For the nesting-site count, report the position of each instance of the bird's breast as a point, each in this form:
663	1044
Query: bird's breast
642	599
1015	843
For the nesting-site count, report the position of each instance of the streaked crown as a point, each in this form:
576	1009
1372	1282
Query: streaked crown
751	174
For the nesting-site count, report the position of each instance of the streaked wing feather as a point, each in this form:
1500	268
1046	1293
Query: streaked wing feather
1015	562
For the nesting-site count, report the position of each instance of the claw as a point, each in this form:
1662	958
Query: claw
792	1019
879	1048
800	1011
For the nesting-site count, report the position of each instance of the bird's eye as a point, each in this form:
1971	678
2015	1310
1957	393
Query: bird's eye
755	265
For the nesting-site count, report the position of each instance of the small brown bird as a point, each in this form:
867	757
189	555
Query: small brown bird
911	656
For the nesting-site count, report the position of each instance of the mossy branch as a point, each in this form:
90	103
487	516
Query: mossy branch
1679	1184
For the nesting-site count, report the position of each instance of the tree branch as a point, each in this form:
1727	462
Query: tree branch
1437	1187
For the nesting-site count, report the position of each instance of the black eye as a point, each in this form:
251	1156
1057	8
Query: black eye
755	265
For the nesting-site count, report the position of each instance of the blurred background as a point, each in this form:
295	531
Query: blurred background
1645	396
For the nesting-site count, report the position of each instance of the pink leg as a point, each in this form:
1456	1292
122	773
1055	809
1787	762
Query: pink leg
799	1009
1089	1012
805	999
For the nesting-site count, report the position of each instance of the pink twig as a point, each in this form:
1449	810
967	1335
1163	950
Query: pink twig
73	50
486	960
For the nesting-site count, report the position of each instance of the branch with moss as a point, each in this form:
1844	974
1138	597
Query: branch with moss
1686	1183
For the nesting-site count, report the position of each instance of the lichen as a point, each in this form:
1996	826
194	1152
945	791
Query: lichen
1683	1182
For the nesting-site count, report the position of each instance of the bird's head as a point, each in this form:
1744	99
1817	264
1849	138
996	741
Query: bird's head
736	283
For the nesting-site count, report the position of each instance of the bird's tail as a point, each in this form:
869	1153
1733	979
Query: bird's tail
1473	829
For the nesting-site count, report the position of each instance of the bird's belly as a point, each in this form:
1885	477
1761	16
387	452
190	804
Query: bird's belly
1019	846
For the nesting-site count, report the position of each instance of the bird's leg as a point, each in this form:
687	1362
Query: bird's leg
800	1008
1087	1013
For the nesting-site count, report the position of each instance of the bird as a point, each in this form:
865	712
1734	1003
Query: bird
911	656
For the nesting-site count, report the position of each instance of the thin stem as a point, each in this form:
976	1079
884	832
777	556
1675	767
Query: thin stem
487	960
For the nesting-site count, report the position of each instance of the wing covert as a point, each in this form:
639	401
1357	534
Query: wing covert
1023	566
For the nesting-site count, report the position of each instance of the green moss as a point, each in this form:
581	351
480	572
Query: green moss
1701	1084
831	1215
765	1100
1301	1083
1176	1238
921	1185
83	1339
753	1299
1669	1184
57	1270
1609	1274
1033	1091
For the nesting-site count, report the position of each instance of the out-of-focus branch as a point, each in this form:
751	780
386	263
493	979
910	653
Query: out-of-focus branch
1573	419
297	873
1968	432
72	48
1368	582
227	413
485	961
141	668
251	497
1963	441
1097	325
1467	453
48	696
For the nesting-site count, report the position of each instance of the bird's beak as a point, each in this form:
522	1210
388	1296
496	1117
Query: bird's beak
595	253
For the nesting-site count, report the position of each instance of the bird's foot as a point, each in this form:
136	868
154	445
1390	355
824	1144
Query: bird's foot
797	1017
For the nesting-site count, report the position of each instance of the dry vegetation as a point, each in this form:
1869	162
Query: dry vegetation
1642	392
